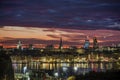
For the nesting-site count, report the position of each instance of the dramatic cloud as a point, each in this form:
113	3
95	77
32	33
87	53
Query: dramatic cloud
45	21
54	36
75	14
46	36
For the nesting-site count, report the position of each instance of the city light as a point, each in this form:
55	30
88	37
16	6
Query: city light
75	68
59	39
65	69
24	69
56	74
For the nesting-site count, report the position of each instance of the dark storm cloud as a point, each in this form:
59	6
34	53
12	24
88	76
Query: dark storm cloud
79	14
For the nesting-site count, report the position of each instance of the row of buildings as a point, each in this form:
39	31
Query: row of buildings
85	49
85	46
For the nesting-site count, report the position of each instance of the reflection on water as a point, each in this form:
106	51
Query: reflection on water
79	67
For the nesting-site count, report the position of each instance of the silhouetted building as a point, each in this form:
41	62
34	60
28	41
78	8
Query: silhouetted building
60	44
50	47
95	43
30	47
73	47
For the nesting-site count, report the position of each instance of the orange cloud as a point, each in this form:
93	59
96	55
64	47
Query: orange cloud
11	34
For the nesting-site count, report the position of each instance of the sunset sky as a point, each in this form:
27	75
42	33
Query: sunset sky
43	22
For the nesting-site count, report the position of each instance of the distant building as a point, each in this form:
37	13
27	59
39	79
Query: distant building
19	45
30	47
118	45
86	44
60	44
80	51
73	47
50	47
95	43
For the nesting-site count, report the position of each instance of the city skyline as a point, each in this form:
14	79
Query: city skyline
45	21
46	36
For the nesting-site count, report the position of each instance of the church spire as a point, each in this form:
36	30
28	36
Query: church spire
60	44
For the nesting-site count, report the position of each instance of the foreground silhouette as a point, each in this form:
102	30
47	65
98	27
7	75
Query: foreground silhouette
108	75
6	70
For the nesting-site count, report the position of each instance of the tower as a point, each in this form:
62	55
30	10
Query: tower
87	43
60	44
19	45
95	43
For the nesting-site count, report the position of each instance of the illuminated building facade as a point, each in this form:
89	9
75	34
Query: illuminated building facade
86	44
19	45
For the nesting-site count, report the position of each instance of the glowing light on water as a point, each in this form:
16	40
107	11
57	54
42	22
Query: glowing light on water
75	68
24	69
65	68
56	74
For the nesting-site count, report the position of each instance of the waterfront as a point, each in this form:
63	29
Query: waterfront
100	66
61	68
57	65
